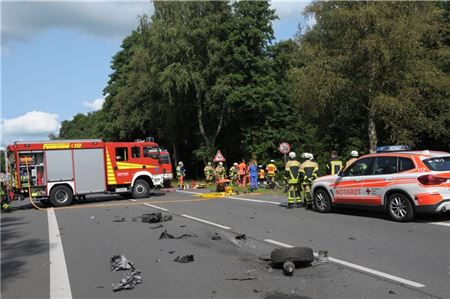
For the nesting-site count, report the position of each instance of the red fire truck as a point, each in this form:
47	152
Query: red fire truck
61	169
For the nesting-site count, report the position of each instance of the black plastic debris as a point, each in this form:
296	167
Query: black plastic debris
122	219
158	226
120	262
166	235
155	218
183	225
242	279
216	237
172	252
129	282
241	237
265	259
184	259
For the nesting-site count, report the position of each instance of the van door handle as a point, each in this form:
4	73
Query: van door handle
388	179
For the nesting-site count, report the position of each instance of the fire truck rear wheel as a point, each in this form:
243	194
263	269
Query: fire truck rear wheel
141	189
61	196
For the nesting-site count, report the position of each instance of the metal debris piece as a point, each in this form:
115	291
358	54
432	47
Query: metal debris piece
241	237
216	237
242	279
158	226
166	235
119	219
120	262
322	256
184	259
158	260
129	282
155	218
172	252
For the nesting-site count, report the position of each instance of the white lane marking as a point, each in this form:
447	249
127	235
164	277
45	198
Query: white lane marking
205	221
155	207
278	243
59	278
357	267
237	198
441	223
254	200
133	200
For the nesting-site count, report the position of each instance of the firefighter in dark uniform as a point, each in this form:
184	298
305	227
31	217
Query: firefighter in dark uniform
292	175
335	164
6	207
309	171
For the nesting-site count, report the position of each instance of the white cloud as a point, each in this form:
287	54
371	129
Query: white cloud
31	123
22	20
95	104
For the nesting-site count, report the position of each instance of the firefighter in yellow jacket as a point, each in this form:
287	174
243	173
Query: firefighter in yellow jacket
209	173
309	171
292	175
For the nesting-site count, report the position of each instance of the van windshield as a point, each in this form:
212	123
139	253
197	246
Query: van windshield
165	158
438	163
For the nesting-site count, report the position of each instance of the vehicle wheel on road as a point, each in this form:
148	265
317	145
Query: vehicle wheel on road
298	255
141	189
400	208
322	201
61	196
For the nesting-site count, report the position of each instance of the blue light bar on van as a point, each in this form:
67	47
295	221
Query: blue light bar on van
393	148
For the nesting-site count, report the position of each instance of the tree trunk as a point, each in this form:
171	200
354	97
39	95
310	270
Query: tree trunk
372	131
210	142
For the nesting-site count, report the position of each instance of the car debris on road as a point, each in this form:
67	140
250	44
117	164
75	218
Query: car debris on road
129	282
120	262
184	259
166	235
155	218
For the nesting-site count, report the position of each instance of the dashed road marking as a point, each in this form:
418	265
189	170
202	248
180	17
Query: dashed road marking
155	207
206	221
358	267
133	200
59	278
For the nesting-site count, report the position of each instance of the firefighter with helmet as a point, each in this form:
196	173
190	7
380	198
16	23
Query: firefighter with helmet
209	173
292	175
234	174
271	170
354	155
181	172
308	173
220	172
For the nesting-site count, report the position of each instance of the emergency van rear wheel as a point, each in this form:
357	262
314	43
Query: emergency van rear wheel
61	196
322	201
141	189
400	208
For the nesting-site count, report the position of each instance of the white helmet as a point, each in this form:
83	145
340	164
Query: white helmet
272	161
209	163
304	155
310	156
354	154
235	164
180	163
292	155
220	163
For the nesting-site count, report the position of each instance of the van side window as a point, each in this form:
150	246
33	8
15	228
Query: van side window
151	152
136	152
121	154
406	164
359	167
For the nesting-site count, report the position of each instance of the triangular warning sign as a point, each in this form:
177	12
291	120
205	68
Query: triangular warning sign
219	157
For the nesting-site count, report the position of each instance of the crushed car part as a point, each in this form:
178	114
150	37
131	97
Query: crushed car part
184	259
120	262
129	282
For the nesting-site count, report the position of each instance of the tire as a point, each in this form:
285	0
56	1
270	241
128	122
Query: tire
302	255
61	196
400	208
322	201
141	189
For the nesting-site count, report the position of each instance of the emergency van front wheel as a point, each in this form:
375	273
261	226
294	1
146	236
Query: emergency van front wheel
141	189
400	208
61	196
322	201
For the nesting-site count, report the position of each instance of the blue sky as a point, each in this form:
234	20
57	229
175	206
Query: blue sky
56	58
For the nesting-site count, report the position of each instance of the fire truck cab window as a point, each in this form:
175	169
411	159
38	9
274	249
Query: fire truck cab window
151	152
136	152
121	154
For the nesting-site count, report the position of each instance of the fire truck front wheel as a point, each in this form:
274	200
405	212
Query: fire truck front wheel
61	196
141	189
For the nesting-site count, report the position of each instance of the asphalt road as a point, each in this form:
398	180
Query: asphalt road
43	256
